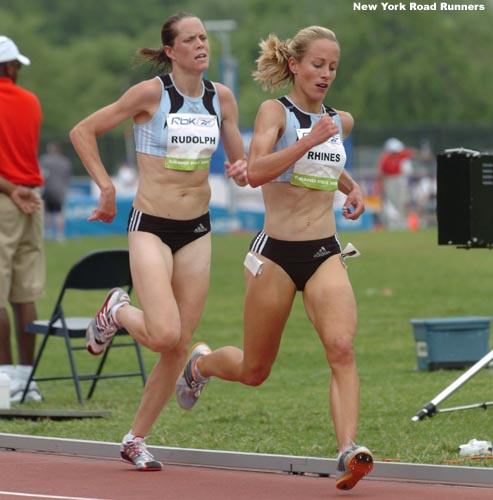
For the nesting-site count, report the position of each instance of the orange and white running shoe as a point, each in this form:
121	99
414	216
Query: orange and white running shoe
189	385
354	463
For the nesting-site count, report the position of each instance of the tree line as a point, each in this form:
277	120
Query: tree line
396	67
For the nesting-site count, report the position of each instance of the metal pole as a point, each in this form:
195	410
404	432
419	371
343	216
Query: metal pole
467	407
430	409
228	76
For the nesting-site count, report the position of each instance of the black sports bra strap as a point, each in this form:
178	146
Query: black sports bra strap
330	111
304	119
209	94
174	96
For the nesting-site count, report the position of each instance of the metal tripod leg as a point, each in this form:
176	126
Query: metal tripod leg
431	408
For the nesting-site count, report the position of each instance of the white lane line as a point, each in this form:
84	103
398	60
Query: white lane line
55	497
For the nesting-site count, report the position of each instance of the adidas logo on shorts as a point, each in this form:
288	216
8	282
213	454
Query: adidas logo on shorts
322	252
200	229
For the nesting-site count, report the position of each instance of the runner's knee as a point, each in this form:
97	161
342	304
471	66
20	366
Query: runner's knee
162	336
340	351
256	377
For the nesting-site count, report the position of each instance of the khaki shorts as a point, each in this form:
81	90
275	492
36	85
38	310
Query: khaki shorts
22	265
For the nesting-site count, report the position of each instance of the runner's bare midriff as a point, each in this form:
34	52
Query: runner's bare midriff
172	194
300	213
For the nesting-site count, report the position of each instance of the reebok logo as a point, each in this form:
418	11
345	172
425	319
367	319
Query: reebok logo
200	229
322	252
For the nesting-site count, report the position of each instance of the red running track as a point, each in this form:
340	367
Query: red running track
41	475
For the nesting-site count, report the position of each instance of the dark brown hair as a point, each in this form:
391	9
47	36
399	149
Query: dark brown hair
168	34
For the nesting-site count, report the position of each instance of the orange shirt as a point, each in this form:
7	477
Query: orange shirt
391	163
20	125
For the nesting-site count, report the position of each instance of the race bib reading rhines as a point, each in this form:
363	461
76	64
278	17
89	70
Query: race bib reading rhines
321	166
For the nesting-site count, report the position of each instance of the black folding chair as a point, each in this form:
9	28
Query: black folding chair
98	270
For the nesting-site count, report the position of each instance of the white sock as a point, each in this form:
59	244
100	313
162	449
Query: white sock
130	436
113	312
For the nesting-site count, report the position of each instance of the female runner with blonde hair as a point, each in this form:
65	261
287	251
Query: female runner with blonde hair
297	156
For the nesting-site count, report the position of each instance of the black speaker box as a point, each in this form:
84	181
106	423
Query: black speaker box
465	198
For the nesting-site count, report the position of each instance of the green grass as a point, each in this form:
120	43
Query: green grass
400	275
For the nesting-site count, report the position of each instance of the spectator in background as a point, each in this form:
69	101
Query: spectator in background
127	180
394	169
22	272
56	169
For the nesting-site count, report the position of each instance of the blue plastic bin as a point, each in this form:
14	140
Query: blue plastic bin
451	342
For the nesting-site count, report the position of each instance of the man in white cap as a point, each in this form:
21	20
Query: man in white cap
22	268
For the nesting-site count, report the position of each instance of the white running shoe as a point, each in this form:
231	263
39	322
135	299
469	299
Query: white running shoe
189	386
102	328
354	463
135	452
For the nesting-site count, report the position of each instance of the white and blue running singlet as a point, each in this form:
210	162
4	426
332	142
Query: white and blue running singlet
321	166
184	130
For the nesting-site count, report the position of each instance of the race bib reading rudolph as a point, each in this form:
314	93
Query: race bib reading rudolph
321	166
191	141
